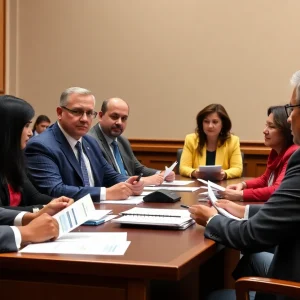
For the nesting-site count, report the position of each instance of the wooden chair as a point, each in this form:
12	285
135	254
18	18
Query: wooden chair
266	285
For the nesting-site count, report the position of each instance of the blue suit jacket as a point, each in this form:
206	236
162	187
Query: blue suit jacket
54	169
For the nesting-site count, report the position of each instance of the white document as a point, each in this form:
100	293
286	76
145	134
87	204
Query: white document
178	182
93	243
170	169
222	211
213	185
74	215
210	169
172	188
94	236
133	200
99	214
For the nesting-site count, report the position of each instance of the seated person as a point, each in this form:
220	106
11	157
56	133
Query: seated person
16	190
279	138
18	228
116	148
65	161
212	144
41	124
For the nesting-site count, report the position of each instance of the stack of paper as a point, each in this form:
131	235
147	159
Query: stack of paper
164	218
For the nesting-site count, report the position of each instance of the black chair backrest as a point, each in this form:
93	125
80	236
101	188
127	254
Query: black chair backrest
178	157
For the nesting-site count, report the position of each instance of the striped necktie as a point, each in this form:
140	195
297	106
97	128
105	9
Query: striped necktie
82	165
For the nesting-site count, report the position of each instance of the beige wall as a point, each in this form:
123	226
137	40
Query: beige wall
167	58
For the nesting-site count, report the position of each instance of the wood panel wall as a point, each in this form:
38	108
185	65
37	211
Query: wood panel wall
160	153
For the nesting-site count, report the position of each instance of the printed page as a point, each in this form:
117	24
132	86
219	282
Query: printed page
99	214
133	200
74	215
178	182
94	243
79	247
172	188
222	211
213	185
170	169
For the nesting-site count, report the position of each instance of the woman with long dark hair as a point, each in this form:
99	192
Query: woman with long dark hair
212	144
16	190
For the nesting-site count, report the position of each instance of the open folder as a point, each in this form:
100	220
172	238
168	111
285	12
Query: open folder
160	218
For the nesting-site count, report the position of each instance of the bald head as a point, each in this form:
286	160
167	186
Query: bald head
113	116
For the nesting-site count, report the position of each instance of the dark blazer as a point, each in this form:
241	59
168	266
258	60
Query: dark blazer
131	163
30	197
276	223
7	237
55	171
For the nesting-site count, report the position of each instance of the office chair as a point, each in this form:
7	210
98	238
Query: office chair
243	173
178	157
266	285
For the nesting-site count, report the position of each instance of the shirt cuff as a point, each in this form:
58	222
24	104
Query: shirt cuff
19	218
246	214
211	218
102	193
17	234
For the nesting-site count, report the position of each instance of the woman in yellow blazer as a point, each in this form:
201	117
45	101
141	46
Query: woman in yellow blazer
212	144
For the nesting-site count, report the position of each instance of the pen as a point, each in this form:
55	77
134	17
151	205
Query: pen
184	206
140	176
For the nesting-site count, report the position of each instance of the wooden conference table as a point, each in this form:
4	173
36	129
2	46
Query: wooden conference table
159	264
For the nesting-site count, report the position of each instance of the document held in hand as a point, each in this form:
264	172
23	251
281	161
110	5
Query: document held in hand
213	199
75	214
163	218
170	169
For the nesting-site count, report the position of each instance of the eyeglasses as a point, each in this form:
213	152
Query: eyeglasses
91	114
289	108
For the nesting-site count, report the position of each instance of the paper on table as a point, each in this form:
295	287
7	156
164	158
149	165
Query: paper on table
172	188
213	185
170	169
131	200
95	236
213	200
75	214
175	182
178	182
99	214
95	243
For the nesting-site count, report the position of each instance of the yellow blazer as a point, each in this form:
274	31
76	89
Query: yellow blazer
227	155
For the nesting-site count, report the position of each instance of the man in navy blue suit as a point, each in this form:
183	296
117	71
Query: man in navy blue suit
63	160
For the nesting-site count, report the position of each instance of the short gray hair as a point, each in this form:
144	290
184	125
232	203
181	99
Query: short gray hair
295	80
64	97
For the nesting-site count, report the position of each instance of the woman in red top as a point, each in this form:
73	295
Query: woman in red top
279	138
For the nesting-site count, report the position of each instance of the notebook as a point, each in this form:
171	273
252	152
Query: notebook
155	217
